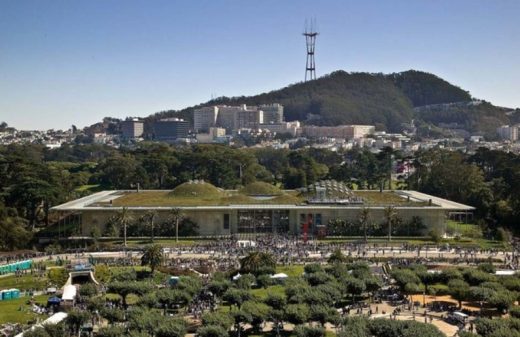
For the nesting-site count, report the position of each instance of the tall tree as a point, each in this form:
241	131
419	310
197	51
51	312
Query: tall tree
257	261
391	217
150	217
153	256
174	218
364	220
123	219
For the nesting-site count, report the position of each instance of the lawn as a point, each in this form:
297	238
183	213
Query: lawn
25	282
464	229
424	241
262	293
164	242
376	198
291	271
10	310
131	299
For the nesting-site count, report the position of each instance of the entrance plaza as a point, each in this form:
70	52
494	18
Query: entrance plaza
264	209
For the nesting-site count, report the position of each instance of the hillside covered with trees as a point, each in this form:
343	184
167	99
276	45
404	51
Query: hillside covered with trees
386	101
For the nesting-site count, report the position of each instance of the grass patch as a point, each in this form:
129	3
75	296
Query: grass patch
131	299
291	271
260	188
191	190
423	241
25	282
376	198
262	293
464	229
17	311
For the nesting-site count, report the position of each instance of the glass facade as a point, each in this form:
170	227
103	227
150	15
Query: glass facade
263	221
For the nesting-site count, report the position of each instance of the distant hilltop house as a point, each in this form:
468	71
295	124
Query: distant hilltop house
260	208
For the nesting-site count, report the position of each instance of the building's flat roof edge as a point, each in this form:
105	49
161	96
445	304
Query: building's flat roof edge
82	204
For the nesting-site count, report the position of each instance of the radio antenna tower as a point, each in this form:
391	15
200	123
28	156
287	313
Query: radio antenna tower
310	39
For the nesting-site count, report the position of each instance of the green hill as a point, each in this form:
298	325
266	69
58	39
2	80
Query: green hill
260	188
386	101
426	89
476	116
196	189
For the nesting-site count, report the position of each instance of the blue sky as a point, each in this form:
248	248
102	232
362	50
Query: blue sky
74	62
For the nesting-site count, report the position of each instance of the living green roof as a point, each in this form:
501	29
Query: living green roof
260	188
196	189
217	197
223	198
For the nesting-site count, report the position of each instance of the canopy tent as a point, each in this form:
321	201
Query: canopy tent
69	293
246	243
279	276
236	277
54	300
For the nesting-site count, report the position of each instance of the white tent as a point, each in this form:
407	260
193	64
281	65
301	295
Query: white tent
69	293
54	319
236	277
279	276
246	243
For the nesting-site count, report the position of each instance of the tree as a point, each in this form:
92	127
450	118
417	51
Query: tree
222	319
124	288
502	300
336	256
459	290
123	219
236	296
174	218
364	220
265	281
171	328
219	287
354	326
170	297
150	217
153	256
259	312
88	290
276	301
255	262
309	331
144	320
113	315
323	314
212	331
75	320
297	313
391	218
355	287
241	316
58	276
245	281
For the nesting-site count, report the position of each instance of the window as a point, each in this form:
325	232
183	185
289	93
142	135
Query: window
226	221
